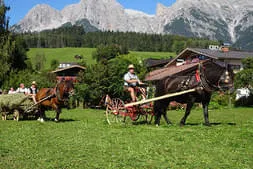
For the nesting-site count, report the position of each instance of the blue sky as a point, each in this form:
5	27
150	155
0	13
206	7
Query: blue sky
19	8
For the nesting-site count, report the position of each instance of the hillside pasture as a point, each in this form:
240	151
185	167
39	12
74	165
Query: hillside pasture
83	139
61	54
67	55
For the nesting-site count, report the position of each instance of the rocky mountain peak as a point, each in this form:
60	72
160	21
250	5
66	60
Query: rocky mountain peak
227	20
161	10
41	17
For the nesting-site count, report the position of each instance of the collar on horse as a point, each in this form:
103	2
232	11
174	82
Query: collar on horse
205	83
58	94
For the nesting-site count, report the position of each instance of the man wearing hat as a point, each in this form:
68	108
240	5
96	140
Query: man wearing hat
33	91
131	82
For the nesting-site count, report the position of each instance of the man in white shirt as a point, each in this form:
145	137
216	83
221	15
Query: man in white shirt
131	83
22	89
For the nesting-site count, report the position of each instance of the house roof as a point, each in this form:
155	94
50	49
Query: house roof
150	62
172	70
70	67
215	54
71	63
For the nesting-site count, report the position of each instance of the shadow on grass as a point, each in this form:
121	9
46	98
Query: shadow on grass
141	123
46	120
61	120
188	124
212	124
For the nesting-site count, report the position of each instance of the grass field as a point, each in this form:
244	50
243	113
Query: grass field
67	54
62	54
82	139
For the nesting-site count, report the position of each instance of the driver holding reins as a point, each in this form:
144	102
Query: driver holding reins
132	84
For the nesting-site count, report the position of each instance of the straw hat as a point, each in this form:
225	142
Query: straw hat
131	66
34	83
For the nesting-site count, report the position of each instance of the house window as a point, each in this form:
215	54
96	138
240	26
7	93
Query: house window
202	57
235	67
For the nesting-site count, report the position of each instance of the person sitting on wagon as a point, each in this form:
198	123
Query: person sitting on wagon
132	82
22	89
11	91
32	91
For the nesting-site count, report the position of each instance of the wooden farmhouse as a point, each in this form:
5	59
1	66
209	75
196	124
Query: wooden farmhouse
188	61
234	58
68	71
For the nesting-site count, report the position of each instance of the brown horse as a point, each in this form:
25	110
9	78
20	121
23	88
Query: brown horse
55	98
214	76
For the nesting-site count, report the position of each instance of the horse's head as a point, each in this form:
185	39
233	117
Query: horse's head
64	89
217	75
68	88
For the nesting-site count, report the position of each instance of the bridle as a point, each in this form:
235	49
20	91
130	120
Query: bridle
66	92
205	83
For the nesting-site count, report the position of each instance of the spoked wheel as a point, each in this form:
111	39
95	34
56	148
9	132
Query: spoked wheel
134	115
145	118
149	118
148	113
115	111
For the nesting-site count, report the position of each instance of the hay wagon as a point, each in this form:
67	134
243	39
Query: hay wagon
17	104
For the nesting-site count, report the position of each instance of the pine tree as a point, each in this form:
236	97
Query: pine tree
12	48
5	42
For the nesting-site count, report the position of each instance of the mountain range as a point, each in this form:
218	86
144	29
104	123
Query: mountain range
227	20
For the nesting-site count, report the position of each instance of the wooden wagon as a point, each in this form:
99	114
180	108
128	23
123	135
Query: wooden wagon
17	104
117	110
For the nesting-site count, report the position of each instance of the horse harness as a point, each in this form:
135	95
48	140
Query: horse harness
58	95
205	83
55	92
201	80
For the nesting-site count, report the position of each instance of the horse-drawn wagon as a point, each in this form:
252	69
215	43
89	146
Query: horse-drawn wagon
17	104
187	84
116	111
47	98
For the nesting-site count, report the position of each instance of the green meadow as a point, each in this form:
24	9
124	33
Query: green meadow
67	54
83	139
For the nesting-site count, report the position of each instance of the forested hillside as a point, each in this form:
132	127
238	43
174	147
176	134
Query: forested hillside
76	37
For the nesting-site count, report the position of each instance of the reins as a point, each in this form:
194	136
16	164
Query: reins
205	83
58	94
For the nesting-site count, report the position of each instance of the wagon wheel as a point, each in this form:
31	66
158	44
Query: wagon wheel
16	114
150	116
115	111
134	114
148	112
145	117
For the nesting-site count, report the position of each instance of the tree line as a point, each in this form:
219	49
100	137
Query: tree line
75	36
